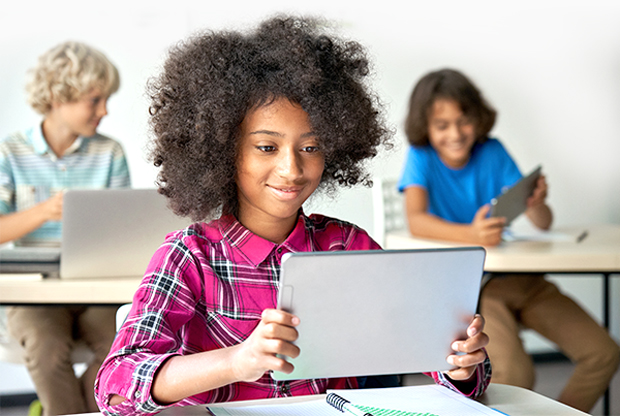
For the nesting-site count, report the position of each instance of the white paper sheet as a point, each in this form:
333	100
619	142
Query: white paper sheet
431	400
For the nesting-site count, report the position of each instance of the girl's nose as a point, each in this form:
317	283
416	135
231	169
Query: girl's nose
289	164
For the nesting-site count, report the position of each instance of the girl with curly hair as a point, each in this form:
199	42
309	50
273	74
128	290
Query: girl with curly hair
247	127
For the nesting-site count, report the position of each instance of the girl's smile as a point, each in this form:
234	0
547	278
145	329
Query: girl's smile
279	165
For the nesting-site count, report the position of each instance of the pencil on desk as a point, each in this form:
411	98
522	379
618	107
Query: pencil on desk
582	236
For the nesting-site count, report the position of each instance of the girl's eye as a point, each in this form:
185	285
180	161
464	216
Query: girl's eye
310	149
266	149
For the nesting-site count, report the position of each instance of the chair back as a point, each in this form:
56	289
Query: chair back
388	205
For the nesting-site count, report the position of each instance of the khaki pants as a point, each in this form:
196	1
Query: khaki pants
48	335
510	301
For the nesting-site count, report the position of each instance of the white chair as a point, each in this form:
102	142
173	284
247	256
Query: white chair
388	206
121	315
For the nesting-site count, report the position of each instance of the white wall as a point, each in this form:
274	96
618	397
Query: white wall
551	68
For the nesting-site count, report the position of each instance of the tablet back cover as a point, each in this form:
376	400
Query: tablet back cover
378	312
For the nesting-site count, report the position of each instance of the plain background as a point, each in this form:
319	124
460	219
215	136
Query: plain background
551	69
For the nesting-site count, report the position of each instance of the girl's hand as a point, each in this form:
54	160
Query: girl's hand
273	335
472	347
486	231
539	194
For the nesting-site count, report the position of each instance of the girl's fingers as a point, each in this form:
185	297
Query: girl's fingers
461	373
278	331
277	346
279	317
472	344
467	360
476	326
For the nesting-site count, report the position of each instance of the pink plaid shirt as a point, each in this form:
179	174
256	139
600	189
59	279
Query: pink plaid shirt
205	288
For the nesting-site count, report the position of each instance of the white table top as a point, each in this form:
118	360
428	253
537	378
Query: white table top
598	252
34	289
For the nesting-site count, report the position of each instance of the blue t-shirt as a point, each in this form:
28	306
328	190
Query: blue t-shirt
456	194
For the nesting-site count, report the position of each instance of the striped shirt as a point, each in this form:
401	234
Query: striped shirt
204	289
30	173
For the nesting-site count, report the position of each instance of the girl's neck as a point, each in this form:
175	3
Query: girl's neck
58	137
274	230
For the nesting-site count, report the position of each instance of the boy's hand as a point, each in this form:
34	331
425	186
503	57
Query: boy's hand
273	335
52	207
472	347
486	231
539	194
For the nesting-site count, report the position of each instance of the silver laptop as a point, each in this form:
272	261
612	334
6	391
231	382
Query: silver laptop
378	312
113	232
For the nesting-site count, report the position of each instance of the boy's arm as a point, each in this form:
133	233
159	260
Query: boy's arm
482	230
18	224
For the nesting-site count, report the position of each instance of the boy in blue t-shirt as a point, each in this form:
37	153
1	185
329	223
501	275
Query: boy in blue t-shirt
453	170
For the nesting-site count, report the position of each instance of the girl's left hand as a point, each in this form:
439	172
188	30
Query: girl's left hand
539	194
473	349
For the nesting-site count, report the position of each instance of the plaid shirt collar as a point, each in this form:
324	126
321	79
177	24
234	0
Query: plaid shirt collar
255	249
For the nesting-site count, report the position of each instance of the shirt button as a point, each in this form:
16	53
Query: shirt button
284	388
279	250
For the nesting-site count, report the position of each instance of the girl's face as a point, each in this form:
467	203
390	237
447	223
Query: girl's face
80	117
451	133
279	165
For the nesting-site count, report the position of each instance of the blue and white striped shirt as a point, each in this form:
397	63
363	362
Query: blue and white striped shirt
30	173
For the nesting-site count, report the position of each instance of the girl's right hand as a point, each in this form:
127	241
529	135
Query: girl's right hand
487	231
273	335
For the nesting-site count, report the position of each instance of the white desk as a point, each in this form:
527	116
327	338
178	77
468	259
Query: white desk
599	252
30	289
512	400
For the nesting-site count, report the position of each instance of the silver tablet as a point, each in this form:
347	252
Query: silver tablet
378	312
513	201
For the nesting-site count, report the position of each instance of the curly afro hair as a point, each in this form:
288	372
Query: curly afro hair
210	81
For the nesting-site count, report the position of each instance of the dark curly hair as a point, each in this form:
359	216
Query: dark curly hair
210	81
446	84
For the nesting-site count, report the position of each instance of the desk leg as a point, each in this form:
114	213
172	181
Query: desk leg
606	304
606	324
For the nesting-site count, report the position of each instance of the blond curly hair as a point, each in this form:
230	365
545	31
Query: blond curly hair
67	72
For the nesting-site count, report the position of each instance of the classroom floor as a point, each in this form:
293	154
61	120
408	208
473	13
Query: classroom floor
550	376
